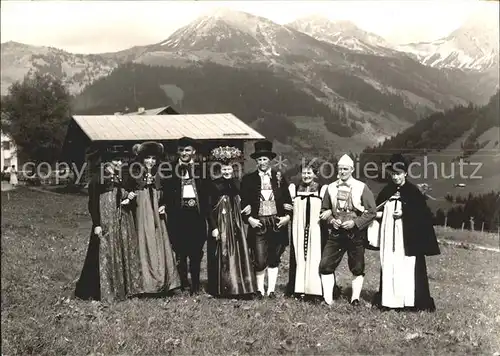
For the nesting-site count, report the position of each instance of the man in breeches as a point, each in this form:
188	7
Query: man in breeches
266	191
348	207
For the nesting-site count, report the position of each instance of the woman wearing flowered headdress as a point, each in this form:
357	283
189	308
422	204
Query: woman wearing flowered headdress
230	269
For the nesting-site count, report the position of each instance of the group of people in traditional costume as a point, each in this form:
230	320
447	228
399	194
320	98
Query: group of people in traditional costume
149	231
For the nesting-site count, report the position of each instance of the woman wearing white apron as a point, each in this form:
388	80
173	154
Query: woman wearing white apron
406	236
307	235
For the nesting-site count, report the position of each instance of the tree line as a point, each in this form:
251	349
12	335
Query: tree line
254	95
483	208
437	131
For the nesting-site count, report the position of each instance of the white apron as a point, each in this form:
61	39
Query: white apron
307	248
398	270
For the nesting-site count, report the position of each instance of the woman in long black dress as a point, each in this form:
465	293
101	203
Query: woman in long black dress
157	259
406	236
111	269
230	269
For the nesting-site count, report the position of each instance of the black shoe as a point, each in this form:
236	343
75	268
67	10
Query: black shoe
272	295
355	303
195	290
185	284
259	295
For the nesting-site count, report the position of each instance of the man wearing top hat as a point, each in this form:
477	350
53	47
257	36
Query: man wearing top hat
266	191
348	207
185	202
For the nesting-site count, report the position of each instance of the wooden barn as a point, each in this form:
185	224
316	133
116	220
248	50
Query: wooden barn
120	132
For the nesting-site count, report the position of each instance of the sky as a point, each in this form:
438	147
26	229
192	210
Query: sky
106	26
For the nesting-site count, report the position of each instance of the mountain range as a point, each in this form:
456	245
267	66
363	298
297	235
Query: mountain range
359	88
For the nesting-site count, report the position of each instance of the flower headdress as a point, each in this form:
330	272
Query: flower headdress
226	154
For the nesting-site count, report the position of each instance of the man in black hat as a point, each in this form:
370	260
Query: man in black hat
266	191
186	204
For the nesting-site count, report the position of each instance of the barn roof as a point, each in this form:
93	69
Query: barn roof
164	127
155	111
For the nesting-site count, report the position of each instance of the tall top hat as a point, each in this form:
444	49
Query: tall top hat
263	148
398	163
149	148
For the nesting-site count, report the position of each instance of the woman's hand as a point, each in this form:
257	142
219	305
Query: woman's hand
397	214
325	214
161	209
247	210
283	221
125	201
131	195
379	214
215	234
288	207
98	231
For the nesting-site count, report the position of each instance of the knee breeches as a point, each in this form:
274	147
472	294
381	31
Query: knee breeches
336	246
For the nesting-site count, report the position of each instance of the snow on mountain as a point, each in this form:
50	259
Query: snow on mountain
75	70
473	46
233	32
342	33
386	81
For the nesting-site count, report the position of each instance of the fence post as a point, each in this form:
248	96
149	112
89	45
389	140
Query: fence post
446	221
463	224
482	227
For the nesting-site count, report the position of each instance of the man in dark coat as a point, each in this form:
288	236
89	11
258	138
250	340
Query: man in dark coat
186	205
406	237
266	191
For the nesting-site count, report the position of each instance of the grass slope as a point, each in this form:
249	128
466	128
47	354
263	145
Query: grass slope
44	240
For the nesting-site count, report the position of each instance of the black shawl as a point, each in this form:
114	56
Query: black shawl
418	227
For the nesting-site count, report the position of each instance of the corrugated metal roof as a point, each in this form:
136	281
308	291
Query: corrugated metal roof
164	127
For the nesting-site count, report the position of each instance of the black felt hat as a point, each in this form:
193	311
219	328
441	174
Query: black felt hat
398	163
187	141
263	148
149	148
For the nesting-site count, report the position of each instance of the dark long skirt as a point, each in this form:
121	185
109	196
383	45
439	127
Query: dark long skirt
423	299
88	286
111	270
230	268
157	260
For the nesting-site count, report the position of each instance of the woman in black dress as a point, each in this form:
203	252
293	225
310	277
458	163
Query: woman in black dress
111	270
230	269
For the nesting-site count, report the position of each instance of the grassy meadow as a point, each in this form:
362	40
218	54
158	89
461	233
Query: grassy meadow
44	241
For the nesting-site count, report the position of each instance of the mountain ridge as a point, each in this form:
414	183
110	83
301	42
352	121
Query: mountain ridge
378	95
